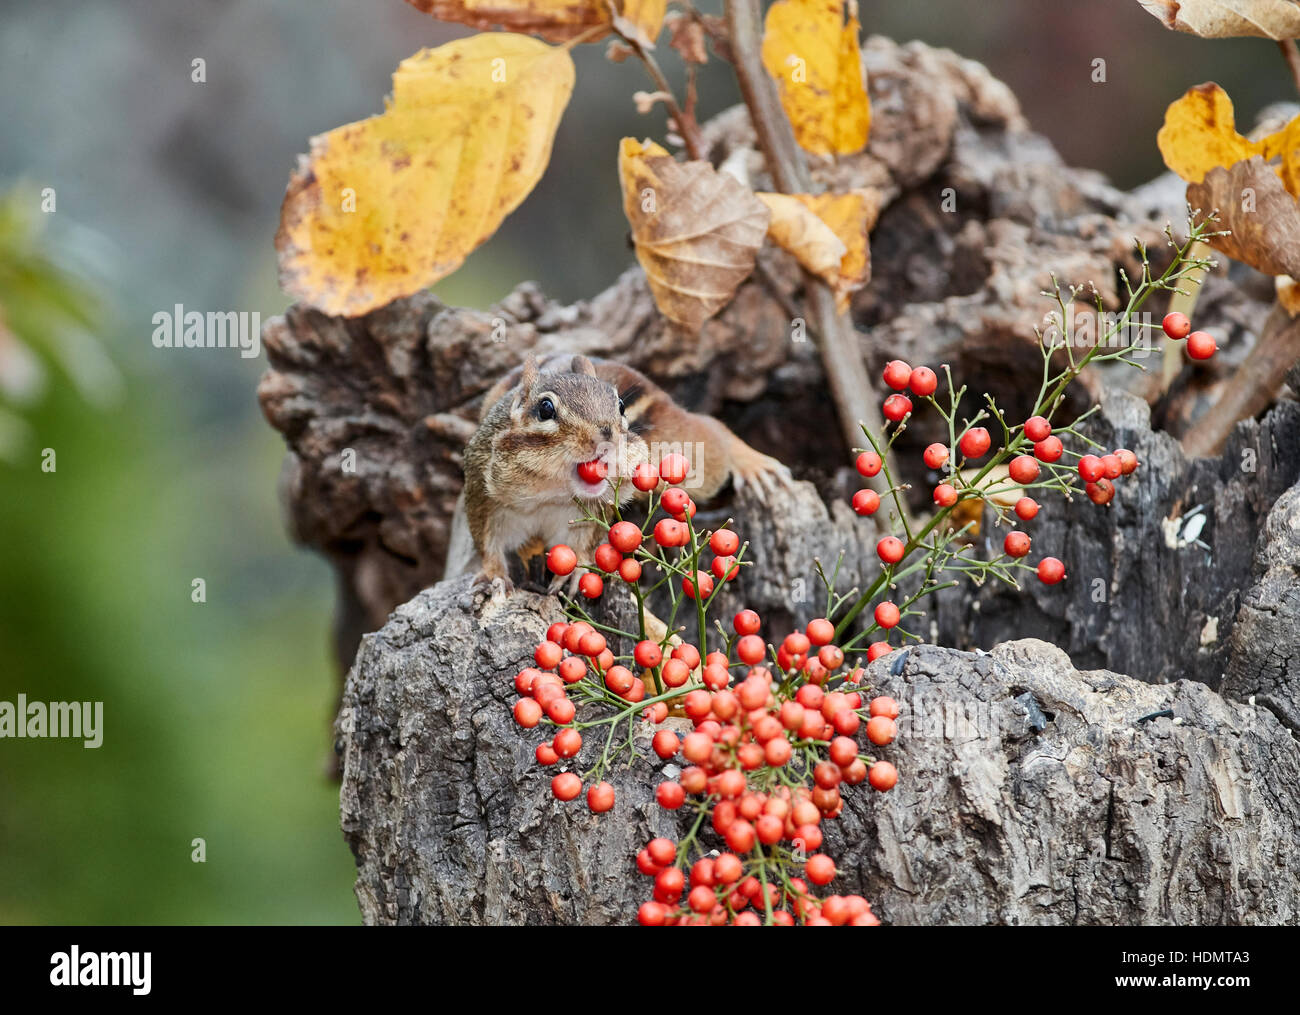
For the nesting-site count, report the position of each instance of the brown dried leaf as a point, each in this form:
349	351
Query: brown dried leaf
696	230
1263	218
1221	19
687	37
828	235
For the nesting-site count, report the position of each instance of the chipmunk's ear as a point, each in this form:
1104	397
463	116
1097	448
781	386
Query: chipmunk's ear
526	381
582	365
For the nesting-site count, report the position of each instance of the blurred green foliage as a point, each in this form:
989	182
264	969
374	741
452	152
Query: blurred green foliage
215	714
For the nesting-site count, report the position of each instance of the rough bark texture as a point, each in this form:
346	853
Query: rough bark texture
1030	793
1140	599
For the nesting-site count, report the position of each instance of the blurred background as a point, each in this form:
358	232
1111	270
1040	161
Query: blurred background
167	191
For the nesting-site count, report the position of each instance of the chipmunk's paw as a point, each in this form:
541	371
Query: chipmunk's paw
491	586
567	582
763	474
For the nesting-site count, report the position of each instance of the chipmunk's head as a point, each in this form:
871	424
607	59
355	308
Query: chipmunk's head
569	435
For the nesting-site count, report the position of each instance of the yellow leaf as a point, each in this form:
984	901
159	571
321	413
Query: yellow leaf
828	235
1220	19
646	16
813	53
696	230
386	206
1200	134
557	20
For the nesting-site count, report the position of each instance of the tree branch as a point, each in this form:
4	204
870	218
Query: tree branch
846	375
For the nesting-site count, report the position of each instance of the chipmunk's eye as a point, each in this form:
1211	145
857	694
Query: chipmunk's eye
545	409
622	406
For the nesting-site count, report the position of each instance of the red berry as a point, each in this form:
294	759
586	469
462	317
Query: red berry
561	560
560	710
896	407
945	495
647	654
1128	462
1201	345
607	558
645	477
820	631
883	705
600	798
1091	468
1023	469
923	381
567	743
844	751
652	914
665	743
527	713
1100	492
1050	570
887	615
1016	544
593	471
619	679
701	585
724	542
1026	508
662	851
1049	450
746	622
820	869
891	549
669	532
675	500
545	754
877	649
865	502
591	585
897	374
750	649
1037	429
868	463
675	673
935	455
1112	466
630	570
673	468
624	537
566	786
1176	325
881	730
670	795
669	883
975	442
688	654
883	776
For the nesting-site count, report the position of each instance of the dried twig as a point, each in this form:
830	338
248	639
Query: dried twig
846	375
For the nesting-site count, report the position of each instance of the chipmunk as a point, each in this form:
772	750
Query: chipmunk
542	423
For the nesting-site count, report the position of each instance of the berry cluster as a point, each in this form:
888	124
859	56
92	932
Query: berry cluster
766	735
